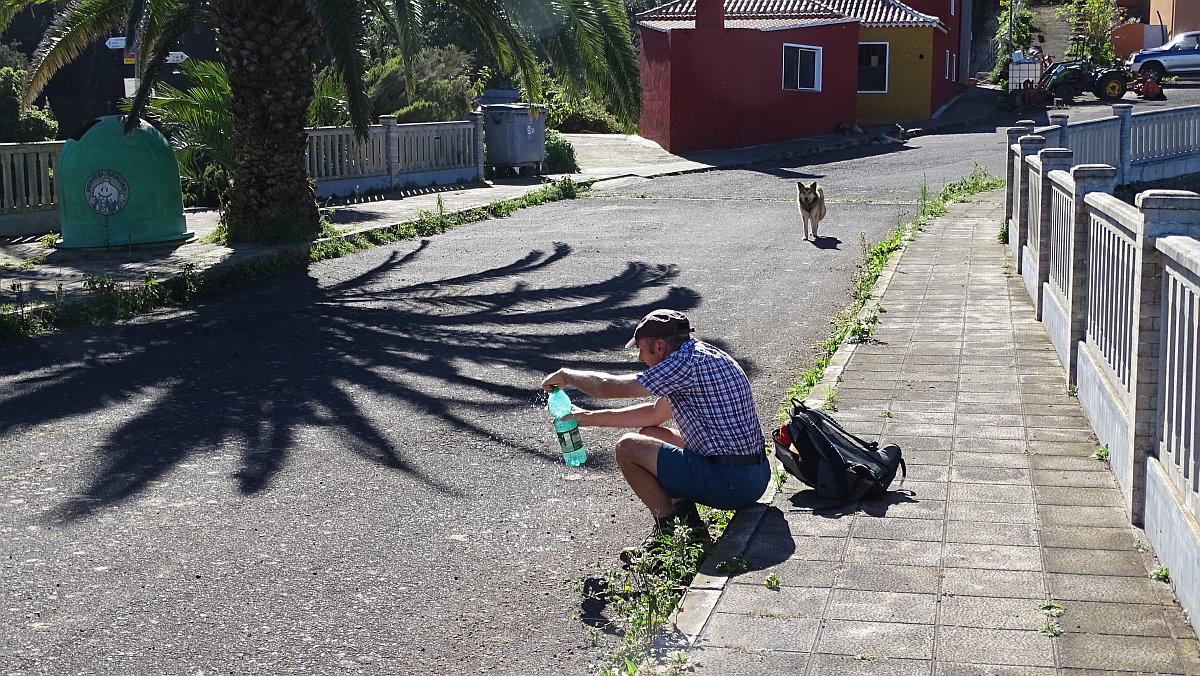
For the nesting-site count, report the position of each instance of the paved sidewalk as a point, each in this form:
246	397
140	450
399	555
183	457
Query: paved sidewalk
1003	508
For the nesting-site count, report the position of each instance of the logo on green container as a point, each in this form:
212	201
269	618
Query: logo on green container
106	192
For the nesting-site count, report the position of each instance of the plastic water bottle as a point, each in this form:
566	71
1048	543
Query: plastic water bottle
574	454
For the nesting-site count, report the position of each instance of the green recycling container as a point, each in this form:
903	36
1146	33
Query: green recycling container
118	189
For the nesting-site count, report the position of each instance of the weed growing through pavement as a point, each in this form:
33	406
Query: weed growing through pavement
874	260
1002	235
1052	608
1101	453
781	478
866	657
733	565
1140	546
771	581
48	240
1073	390
643	594
1051	628
1162	574
830	404
885	414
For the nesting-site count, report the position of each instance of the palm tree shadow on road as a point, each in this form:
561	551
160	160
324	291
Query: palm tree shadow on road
258	370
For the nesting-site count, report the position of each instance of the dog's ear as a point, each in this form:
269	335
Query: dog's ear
814	186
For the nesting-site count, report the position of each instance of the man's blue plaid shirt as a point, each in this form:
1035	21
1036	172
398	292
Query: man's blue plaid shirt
710	399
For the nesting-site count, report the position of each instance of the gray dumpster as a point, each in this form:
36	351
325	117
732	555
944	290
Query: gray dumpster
515	134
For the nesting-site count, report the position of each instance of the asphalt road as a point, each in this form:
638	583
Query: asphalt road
350	470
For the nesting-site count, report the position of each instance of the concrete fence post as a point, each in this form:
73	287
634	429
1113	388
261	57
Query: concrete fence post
477	125
1027	145
1164	212
1124	111
391	138
1061	120
1088	178
1050	159
1010	180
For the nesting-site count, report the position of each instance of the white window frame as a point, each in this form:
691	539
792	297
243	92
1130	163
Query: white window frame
816	66
887	69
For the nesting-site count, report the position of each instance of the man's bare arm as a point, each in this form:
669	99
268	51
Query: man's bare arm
649	414
597	383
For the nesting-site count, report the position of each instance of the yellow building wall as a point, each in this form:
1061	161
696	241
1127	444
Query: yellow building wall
910	55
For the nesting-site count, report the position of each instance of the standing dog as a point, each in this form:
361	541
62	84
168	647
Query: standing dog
810	200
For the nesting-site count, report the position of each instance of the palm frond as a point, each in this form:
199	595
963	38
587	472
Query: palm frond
342	27
404	18
198	119
11	8
590	46
505	42
73	31
172	19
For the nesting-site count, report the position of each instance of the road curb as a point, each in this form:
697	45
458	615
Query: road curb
700	600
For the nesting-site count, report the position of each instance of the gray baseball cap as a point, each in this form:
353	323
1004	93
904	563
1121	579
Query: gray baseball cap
661	324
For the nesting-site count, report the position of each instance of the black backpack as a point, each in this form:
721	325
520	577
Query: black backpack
818	451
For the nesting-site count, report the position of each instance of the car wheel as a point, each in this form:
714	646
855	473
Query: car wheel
1154	70
1110	87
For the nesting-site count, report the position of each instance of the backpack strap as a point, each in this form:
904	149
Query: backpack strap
869	444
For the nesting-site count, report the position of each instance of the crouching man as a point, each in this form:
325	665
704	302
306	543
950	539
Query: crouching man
715	458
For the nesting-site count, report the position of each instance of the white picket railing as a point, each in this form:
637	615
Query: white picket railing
335	152
27	176
1110	295
1179	434
1061	221
1117	287
1167	133
1096	141
395	155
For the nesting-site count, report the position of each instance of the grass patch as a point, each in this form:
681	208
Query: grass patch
107	300
857	322
643	595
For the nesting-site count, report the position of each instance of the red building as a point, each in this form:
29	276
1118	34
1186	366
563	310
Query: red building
745	72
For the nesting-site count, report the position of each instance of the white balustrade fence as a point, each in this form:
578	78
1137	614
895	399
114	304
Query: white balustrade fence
393	156
1179	435
26	176
28	195
1118	289
1110	295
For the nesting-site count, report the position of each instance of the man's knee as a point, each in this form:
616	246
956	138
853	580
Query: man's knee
636	449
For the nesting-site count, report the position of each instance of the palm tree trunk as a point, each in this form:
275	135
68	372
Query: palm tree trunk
267	50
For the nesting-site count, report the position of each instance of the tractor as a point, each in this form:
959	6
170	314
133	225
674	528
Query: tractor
1068	79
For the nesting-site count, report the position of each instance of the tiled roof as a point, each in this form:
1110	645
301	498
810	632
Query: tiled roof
746	9
872	13
883	13
756	24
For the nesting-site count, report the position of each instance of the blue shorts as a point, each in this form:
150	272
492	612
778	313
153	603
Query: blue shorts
696	478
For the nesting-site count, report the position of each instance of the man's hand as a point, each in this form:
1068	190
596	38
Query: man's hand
557	379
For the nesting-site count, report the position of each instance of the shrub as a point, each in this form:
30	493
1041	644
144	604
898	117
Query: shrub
439	77
17	125
560	154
